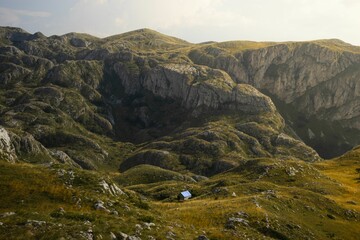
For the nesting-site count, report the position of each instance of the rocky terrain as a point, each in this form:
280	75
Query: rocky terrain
319	79
119	126
64	94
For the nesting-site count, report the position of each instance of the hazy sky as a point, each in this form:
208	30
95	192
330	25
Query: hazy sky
192	20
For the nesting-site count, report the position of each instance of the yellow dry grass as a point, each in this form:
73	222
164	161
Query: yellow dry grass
208	215
343	170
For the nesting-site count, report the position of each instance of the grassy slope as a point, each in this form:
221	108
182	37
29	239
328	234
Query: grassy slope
346	171
239	46
321	201
37	192
293	209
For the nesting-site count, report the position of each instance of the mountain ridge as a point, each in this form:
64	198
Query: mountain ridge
152	32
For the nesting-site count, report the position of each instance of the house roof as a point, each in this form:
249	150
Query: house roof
186	194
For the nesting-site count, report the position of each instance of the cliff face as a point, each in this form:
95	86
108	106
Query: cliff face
290	71
319	79
195	87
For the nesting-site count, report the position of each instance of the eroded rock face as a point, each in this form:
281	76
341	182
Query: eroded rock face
7	151
78	42
285	70
336	99
62	157
14	147
110	188
27	147
196	87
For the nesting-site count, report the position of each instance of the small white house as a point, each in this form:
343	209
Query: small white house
185	195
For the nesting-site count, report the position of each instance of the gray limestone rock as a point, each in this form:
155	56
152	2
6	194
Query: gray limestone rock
232	222
196	87
99	205
110	188
78	42
7	214
202	237
7	151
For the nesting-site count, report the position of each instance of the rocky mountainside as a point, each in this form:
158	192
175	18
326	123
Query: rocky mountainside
65	98
314	85
311	83
99	136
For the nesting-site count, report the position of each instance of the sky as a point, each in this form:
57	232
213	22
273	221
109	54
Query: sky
192	20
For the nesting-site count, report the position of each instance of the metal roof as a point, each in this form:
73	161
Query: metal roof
186	194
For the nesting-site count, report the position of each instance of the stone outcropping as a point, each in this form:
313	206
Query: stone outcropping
196	87
7	151
21	146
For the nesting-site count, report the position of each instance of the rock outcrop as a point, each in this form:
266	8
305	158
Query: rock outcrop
196	87
7	151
